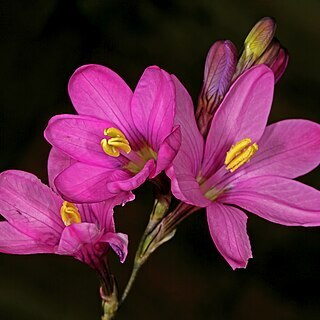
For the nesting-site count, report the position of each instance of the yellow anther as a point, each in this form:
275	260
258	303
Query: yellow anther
117	141
113	133
69	213
239	154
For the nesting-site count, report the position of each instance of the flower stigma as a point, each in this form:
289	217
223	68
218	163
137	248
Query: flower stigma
69	213
117	141
239	154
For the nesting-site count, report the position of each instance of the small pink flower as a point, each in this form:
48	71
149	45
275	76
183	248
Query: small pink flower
245	164
120	138
40	221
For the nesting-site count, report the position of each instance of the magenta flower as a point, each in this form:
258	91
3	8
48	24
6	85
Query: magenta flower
40	221
120	138
245	164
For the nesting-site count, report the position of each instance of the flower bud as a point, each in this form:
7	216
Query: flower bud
219	69
256	43
276	58
270	54
280	64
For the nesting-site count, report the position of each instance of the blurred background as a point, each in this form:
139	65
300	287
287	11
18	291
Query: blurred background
42	43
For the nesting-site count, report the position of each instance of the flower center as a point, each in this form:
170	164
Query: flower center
143	155
115	143
69	213
239	154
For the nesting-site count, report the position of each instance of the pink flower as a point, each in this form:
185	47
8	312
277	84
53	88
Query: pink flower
40	221
120	138
245	164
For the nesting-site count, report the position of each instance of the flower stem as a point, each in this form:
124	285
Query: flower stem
157	232
133	276
160	208
108	292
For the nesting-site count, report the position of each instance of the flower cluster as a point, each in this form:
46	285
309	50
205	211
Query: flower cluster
223	157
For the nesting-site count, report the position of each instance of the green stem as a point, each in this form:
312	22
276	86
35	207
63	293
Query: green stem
160	208
154	236
108	292
133	276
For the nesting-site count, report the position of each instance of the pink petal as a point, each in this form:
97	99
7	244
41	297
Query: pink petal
101	213
186	164
15	242
228	229
168	151
118	242
80	137
185	187
86	183
122	181
57	162
30	206
153	106
277	199
288	148
192	143
80	241
99	92
242	114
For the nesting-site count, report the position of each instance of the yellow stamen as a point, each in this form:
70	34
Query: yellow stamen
117	141
239	154
69	213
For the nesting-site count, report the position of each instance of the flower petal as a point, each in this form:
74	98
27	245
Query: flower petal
80	241
80	137
168	151
227	227
99	92
192	143
122	181
15	242
242	114
277	199
185	186
86	183
153	106
101	213
29	205
118	242
186	164
57	162
288	148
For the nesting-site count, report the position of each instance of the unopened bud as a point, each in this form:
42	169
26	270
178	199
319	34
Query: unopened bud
280	64
256	43
271	53
219	68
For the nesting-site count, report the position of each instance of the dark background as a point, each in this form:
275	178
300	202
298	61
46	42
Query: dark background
42	43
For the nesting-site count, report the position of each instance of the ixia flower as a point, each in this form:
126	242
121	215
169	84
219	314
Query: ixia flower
245	164
40	221
120	138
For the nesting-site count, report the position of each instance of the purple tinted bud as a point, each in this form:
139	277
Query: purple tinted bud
280	64
219	69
